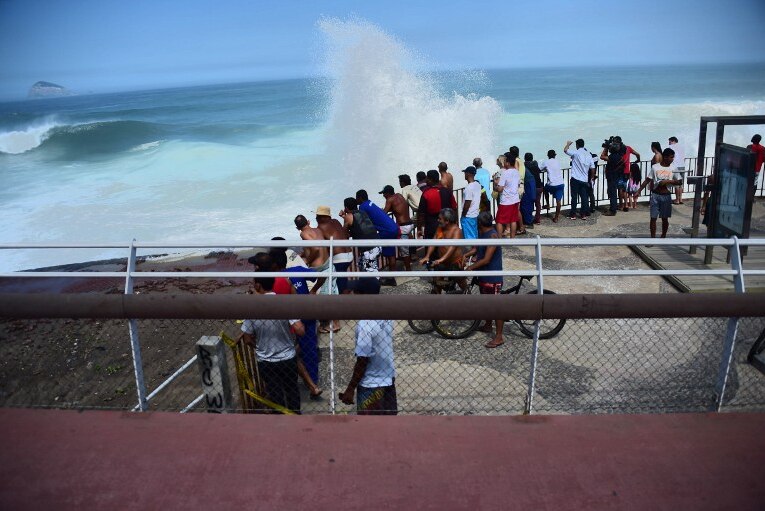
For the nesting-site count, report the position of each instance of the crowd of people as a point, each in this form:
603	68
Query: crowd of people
428	210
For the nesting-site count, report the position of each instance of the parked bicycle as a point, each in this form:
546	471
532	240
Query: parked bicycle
461	328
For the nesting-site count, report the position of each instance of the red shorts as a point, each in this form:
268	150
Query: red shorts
508	213
490	288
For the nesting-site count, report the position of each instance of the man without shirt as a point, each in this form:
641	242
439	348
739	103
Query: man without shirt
471	205
341	256
396	203
661	177
316	257
447	180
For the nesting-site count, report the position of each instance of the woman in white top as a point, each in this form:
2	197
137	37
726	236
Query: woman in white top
507	183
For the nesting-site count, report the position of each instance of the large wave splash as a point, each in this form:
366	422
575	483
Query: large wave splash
21	141
385	117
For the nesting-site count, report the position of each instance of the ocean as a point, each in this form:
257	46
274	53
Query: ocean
234	163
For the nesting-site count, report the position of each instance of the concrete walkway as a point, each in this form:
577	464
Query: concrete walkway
112	460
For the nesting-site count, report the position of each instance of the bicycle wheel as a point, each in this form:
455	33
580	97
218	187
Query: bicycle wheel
458	328
421	326
548	328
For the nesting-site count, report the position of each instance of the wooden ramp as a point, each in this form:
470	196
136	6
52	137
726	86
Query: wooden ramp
677	258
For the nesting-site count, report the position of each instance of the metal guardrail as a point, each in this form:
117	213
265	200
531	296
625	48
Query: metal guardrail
536	242
600	191
529	307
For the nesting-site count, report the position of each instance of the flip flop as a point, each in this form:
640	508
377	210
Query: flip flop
323	330
316	395
335	330
493	344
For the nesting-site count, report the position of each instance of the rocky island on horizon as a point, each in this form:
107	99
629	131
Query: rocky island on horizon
43	89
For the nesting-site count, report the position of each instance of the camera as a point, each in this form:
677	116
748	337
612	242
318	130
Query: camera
612	143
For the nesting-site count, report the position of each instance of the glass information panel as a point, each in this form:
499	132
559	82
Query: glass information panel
734	201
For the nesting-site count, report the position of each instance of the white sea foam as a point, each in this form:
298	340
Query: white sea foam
146	146
384	117
17	142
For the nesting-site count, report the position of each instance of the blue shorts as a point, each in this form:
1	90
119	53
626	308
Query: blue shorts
389	251
660	205
555	191
621	183
469	228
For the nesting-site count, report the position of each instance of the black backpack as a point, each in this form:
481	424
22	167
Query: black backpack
362	227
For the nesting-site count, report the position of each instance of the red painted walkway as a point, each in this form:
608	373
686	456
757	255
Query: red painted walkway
113	460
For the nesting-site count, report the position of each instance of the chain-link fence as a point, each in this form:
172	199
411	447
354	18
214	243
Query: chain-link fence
591	366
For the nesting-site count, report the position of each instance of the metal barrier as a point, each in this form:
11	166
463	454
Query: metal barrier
626	353
601	194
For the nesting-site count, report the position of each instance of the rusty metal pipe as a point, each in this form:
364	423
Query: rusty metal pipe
16	305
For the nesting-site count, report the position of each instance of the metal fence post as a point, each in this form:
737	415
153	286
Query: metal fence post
732	329
135	345
529	406
332	403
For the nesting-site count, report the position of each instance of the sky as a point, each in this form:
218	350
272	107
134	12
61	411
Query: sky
110	45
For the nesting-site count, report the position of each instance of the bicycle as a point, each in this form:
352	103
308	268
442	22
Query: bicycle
439	285
461	328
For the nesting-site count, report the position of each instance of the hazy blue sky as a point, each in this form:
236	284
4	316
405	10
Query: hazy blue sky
108	45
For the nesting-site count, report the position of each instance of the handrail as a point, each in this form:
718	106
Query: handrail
536	242
510	306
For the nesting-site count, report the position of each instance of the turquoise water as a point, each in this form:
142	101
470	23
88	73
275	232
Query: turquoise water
237	162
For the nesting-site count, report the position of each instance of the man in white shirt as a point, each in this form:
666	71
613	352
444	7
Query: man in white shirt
410	192
471	205
554	186
680	166
581	167
374	373
661	177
